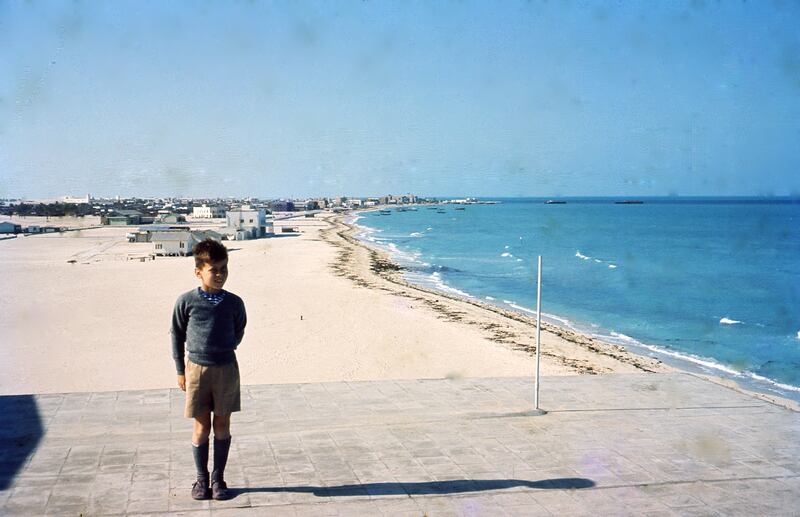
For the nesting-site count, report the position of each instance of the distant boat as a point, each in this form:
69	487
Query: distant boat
385	212
441	211
628	202
460	208
432	208
554	202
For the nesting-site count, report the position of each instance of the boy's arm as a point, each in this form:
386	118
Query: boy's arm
240	321
178	331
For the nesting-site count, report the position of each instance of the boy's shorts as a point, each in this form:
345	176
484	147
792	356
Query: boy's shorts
212	388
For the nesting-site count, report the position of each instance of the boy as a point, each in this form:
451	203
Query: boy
210	323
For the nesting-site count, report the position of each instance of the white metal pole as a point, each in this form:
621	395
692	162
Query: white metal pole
538	332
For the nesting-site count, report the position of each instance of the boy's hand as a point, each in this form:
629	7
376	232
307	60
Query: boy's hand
182	382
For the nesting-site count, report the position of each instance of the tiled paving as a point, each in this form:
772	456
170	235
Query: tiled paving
649	444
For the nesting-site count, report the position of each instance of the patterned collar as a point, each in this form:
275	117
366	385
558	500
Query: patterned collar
214	298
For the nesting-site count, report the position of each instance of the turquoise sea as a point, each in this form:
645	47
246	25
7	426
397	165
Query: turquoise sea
711	284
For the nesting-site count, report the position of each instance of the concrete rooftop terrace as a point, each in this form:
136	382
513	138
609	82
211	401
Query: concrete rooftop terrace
637	444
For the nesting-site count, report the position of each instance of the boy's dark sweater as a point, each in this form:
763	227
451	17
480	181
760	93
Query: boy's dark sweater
210	333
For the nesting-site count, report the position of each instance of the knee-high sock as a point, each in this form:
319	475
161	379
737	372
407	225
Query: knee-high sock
200	453
221	448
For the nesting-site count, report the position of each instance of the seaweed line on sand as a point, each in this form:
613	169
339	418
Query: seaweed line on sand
446	306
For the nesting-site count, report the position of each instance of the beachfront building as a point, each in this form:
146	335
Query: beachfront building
172	243
180	242
122	217
171	218
138	236
208	212
246	223
42	229
9	227
145	233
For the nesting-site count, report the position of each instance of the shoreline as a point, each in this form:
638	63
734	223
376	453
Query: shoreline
322	307
388	271
391	272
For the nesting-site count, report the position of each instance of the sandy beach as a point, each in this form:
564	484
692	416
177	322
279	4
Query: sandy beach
321	307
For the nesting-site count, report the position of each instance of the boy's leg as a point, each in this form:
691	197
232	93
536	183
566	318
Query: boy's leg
222	445
202	428
227	399
198	407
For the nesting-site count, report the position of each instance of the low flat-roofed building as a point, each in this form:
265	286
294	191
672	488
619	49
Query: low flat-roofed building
125	218
9	227
208	211
171	218
172	243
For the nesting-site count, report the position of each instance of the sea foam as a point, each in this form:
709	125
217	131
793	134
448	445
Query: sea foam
438	283
700	361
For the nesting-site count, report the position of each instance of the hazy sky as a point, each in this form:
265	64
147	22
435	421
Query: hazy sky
274	99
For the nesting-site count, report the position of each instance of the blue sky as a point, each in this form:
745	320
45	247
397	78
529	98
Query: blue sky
275	99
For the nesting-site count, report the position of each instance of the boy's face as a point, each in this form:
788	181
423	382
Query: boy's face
212	275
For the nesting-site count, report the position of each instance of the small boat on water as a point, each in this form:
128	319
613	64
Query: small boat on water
441	211
432	208
460	208
385	212
554	202
629	202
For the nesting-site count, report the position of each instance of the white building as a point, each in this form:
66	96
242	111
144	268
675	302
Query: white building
208	212
247	223
172	243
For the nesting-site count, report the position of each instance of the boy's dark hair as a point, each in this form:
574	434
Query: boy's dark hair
208	251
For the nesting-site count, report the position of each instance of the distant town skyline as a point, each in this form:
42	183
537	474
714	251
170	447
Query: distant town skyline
440	99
